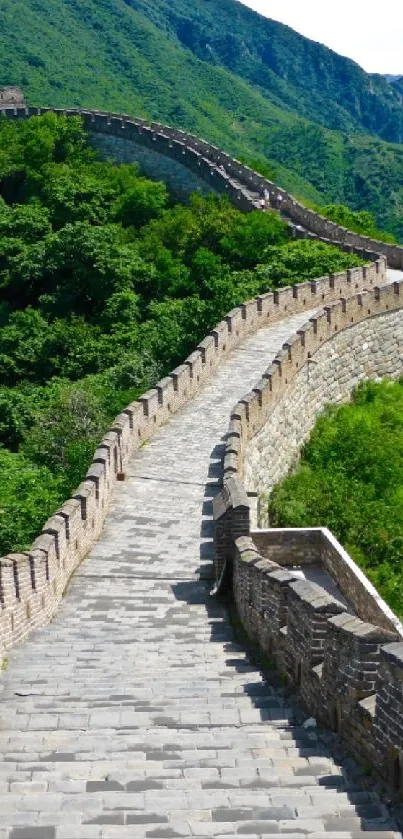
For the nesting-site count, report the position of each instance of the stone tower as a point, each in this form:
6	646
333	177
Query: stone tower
10	97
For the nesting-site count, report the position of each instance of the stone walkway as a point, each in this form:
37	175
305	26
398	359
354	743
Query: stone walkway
136	713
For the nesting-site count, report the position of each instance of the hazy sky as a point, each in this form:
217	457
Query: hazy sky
369	31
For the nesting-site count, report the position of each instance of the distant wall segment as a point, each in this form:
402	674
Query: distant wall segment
220	171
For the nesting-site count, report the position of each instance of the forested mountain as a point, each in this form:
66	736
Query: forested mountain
292	71
214	67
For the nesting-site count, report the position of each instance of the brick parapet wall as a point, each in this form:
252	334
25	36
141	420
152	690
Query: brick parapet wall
291	547
344	659
348	672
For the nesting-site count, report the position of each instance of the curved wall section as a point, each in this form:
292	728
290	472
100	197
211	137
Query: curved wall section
225	174
163	140
32	583
297	592
158	167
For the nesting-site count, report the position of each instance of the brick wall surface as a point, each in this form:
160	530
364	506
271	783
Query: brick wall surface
343	658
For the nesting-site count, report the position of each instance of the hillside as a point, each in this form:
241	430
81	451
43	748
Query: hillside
221	71
292	71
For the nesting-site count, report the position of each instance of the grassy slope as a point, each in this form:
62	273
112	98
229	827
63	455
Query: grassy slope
292	71
107	54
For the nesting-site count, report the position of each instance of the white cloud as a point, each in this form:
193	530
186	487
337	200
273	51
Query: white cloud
368	31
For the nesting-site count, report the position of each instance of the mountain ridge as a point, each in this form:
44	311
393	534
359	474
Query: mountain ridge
127	56
268	53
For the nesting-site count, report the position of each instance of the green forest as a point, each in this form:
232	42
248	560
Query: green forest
361	222
350	479
329	132
105	285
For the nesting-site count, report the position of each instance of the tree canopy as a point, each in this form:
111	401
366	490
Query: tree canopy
350	479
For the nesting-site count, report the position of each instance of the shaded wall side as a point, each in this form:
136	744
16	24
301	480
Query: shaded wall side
372	349
180	180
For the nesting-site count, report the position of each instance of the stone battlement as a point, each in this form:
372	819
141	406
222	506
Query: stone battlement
341	650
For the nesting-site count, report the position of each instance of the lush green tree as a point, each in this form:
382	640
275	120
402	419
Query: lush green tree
361	222
29	494
245	244
146	200
66	429
21	347
89	264
74	193
350	479
17	411
27	222
174	329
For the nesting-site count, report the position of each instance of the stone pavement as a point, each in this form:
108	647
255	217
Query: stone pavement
136	713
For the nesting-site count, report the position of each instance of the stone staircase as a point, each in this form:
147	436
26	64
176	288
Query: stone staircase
136	712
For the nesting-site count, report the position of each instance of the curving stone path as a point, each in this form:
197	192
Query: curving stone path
136	713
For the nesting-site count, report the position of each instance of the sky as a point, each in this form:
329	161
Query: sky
368	31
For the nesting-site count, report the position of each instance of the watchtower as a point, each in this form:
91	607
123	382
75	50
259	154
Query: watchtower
10	97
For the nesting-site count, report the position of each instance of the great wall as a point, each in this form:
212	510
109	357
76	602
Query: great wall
131	709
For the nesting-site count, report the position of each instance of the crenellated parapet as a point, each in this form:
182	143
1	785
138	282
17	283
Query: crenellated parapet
298	594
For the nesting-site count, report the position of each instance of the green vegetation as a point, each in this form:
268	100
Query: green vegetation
328	132
363	222
106	285
350	479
